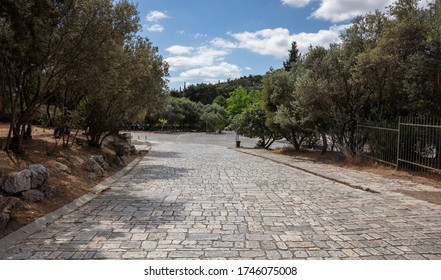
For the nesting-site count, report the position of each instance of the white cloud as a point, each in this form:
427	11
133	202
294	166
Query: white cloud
201	57
223	44
273	42
155	16
277	42
179	50
209	74
321	38
218	71
203	64
296	3
154	28
340	10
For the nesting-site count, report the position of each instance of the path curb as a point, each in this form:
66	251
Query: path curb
27	230
311	172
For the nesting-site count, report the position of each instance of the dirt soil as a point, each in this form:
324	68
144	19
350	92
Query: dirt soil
69	187
363	164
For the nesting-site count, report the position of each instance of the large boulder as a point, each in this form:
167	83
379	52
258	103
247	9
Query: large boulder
19	182
92	166
33	195
39	176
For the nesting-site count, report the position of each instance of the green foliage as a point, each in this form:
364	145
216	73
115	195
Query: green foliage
252	123
207	93
221	101
279	100
182	113
240	99
293	58
249	117
79	56
386	66
214	117
203	93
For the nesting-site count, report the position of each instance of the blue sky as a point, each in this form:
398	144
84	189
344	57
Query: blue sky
215	40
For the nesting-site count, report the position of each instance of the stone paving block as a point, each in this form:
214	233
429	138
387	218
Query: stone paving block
221	254
130	245
66	255
108	255
157	255
117	235
202	237
85	236
149	245
137	255
258	237
291	238
252	254
350	253
301	254
185	254
210	202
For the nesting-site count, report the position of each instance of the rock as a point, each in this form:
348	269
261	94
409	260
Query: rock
40	174
102	162
98	158
105	165
133	150
63	167
94	167
49	190
19	182
33	195
92	176
7	205
119	161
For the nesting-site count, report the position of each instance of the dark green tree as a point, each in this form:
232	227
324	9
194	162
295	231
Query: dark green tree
293	58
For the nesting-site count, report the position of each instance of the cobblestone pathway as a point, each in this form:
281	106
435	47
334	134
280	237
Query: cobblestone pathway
203	201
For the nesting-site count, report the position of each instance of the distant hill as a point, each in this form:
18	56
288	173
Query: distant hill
206	93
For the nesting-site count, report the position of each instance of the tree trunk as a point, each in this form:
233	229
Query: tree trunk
48	113
270	142
325	143
294	140
28	132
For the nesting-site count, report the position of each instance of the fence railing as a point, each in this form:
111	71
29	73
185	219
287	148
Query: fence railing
411	143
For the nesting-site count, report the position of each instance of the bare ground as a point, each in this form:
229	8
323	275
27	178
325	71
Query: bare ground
69	187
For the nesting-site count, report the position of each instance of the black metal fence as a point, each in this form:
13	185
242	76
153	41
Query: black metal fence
411	143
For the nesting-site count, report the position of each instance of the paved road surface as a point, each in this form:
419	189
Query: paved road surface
189	200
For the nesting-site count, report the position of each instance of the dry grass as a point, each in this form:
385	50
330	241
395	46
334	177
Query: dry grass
69	187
